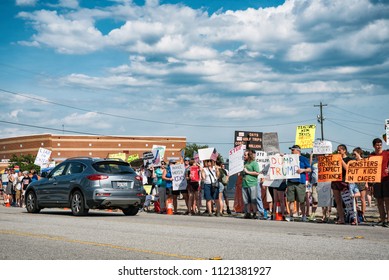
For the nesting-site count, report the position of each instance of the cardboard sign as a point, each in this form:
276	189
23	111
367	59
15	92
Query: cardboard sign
42	157
270	143
324	194
121	156
284	167
364	170
272	183
133	157
235	157
305	136
330	168
178	175
322	147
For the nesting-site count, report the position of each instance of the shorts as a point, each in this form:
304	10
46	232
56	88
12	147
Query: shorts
18	194
361	186
8	189
193	186
221	187
249	195
315	196
381	190
169	191
179	192
295	192
339	186
354	188
210	193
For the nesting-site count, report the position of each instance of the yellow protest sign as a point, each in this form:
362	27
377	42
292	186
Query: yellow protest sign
132	157
365	170
118	155
330	168
305	136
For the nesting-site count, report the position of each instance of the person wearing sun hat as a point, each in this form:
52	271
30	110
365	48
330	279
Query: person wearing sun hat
296	187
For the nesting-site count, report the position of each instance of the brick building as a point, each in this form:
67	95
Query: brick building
65	146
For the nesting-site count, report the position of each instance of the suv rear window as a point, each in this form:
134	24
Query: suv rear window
113	167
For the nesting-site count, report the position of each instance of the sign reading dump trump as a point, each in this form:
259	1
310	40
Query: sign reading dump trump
365	170
330	168
284	167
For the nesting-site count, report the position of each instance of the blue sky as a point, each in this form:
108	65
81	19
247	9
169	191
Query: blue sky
200	69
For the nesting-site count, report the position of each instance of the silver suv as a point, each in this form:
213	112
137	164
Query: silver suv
88	183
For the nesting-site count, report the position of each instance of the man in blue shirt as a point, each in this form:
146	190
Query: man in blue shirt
296	187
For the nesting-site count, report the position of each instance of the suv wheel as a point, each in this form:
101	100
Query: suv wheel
77	204
32	203
130	211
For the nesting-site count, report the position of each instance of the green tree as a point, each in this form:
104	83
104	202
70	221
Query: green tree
191	148
25	162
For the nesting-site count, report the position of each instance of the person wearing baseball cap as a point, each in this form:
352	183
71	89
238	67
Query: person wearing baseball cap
296	187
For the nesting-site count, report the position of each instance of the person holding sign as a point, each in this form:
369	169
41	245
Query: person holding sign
296	187
381	190
250	184
209	174
341	186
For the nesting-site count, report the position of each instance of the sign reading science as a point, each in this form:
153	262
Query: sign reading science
365	170
252	140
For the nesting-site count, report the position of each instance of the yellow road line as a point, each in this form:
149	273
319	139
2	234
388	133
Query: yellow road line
112	246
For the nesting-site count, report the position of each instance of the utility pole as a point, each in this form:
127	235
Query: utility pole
320	118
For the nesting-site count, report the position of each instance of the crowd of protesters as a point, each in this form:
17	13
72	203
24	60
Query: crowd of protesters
14	184
294	198
209	180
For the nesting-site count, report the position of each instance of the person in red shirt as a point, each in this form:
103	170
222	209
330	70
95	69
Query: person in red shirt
381	190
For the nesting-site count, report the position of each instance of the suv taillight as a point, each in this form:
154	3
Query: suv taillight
97	177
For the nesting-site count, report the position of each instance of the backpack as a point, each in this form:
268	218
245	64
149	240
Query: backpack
223	177
194	174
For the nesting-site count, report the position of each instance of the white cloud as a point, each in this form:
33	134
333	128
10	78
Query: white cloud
26	2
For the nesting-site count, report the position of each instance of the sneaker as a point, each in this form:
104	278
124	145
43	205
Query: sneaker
304	219
385	225
247	216
289	219
379	224
254	216
228	211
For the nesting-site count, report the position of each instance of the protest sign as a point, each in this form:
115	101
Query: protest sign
133	157
42	157
305	135
121	156
251	140
263	163
235	158
322	147
324	194
205	153
387	131
330	168
272	183
364	170
284	167
270	143
178	175
161	150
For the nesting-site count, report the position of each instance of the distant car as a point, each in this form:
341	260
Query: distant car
88	183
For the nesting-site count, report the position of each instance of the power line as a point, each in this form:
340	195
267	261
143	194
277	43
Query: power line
360	115
147	120
352	129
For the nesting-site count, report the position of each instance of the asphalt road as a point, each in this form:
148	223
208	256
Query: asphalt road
54	234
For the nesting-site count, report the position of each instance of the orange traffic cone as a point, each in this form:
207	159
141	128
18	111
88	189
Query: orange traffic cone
169	203
7	204
278	212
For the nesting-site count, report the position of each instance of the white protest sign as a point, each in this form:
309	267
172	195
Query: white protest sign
178	175
263	163
42	157
324	194
284	167
272	183
322	147
205	153
161	150
235	157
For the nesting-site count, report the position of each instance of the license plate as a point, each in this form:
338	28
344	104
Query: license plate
122	184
